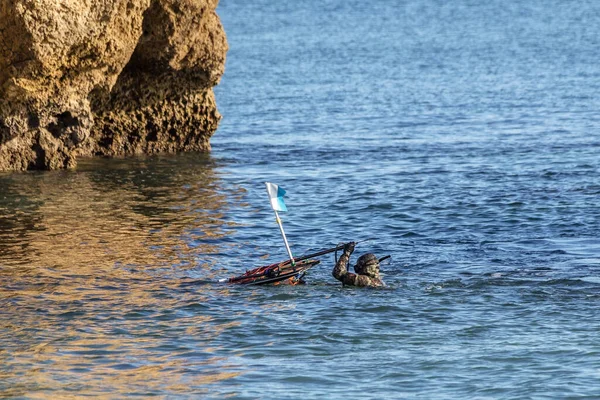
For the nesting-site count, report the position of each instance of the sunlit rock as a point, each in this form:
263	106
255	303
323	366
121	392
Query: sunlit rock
106	77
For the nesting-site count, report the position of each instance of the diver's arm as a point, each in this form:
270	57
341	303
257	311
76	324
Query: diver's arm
340	271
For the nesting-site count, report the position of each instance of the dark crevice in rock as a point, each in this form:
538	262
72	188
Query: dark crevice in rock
4	132
33	121
39	162
64	121
152	136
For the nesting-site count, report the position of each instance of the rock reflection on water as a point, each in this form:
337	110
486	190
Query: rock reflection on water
129	214
89	267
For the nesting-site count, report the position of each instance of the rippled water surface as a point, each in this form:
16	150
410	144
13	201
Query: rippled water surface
462	137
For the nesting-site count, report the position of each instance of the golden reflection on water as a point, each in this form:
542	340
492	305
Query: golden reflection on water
83	218
89	262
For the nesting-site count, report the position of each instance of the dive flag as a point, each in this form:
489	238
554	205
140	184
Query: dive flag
276	195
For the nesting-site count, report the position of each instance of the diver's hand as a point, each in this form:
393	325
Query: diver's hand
349	247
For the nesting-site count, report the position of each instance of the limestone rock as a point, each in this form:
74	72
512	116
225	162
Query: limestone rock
106	77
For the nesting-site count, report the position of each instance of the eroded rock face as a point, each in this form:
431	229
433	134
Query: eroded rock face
106	77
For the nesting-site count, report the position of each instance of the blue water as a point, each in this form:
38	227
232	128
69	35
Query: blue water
461	136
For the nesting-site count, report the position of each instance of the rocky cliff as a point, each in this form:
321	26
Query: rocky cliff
106	77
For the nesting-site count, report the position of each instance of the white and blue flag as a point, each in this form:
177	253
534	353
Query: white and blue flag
276	195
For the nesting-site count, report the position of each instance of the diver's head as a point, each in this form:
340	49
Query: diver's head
367	264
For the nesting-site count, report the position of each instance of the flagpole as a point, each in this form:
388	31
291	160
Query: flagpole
287	246
277	204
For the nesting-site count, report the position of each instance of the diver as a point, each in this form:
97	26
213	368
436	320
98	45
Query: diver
366	268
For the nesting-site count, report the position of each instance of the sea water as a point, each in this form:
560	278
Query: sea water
461	137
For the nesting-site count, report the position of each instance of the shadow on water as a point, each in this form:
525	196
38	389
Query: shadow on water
89	268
